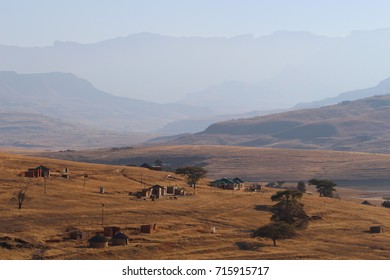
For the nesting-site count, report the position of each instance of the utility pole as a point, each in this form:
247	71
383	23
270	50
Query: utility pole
45	185
102	214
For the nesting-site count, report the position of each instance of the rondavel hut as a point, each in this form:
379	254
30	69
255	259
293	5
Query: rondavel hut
120	239
98	241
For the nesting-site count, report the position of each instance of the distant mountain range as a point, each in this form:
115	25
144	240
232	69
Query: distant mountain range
282	69
382	88
361	125
35	131
74	100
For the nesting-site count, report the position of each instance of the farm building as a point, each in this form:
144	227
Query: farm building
156	191
228	184
76	234
120	239
174	191
148	228
40	171
376	229
98	241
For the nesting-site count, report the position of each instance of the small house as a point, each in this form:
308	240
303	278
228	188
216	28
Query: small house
227	184
40	171
149	228
76	234
120	239
376	229
174	191
98	241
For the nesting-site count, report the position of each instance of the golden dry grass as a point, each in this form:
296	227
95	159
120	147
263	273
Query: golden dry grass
184	224
251	163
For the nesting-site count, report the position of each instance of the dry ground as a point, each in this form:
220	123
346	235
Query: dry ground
39	228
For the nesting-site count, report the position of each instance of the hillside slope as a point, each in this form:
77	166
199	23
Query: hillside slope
361	125
41	228
28	130
250	163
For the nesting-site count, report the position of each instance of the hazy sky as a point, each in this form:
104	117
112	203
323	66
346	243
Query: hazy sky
40	22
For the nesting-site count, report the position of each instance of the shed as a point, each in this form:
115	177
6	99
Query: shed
111	231
76	235
376	229
149	228
98	241
120	239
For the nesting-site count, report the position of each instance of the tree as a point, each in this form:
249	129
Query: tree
275	231
192	173
324	187
386	203
301	186
289	209
21	197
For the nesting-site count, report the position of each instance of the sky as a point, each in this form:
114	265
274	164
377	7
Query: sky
41	22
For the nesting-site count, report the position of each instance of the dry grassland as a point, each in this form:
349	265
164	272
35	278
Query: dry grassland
255	164
184	224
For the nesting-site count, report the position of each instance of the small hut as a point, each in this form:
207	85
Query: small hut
76	234
98	241
120	239
376	229
149	228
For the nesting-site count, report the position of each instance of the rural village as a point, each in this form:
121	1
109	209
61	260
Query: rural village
70	210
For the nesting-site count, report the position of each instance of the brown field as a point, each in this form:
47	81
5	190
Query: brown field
253	164
39	228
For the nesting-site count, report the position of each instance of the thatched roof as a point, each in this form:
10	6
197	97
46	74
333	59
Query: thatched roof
120	235
98	238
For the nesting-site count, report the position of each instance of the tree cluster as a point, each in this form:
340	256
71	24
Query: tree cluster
324	187
193	174
288	215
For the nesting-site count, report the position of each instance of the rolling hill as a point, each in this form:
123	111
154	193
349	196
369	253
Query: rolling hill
35	131
41	228
361	125
75	100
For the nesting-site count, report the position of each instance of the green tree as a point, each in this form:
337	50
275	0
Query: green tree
289	209
301	186
276	231
192	173
386	203
324	187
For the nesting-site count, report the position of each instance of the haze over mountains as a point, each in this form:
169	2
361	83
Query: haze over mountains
75	100
274	71
362	125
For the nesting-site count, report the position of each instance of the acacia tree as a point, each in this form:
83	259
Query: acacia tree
289	209
192	173
276	231
324	187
